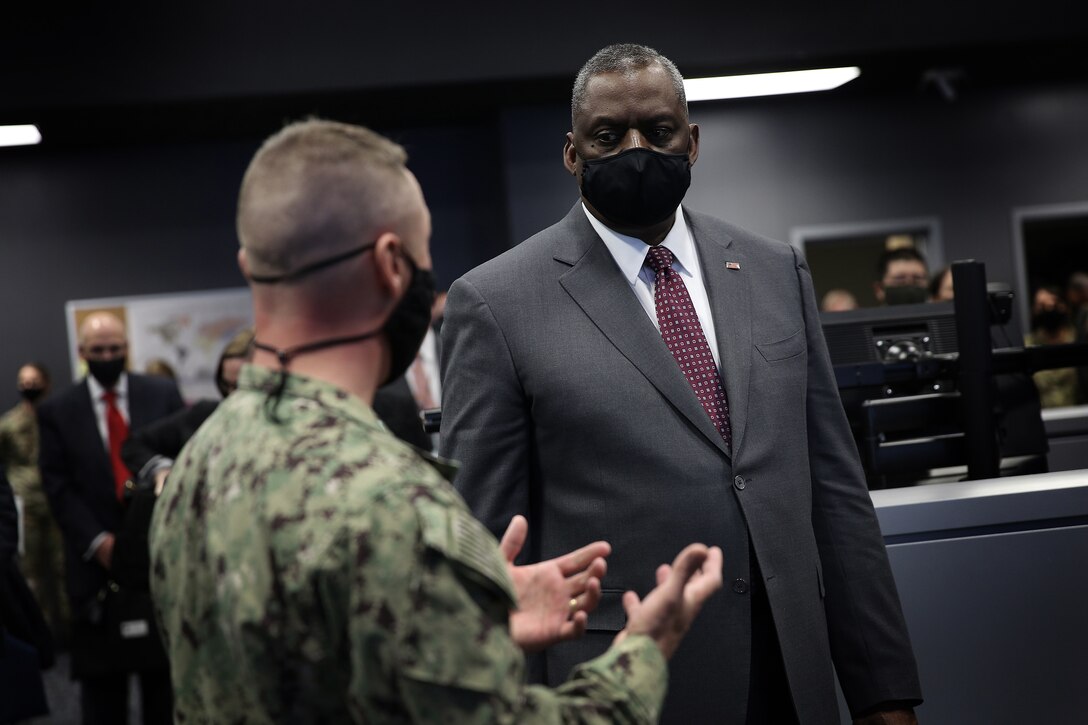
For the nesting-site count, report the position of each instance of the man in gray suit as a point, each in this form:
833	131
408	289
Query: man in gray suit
649	375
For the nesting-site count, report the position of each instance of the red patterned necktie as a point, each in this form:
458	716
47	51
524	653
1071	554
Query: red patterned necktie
684	337
118	432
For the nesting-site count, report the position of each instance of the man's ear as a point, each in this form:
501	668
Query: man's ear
391	269
878	292
693	143
243	263
570	156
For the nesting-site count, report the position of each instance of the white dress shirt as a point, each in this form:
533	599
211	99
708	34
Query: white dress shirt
428	358
630	256
96	390
99	405
427	361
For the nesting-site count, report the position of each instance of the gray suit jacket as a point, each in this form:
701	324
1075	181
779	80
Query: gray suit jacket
564	404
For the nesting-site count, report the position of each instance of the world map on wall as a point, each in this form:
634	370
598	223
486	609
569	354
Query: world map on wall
187	331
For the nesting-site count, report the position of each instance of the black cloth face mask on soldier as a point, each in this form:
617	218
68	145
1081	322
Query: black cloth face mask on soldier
32	394
405	329
637	187
1051	320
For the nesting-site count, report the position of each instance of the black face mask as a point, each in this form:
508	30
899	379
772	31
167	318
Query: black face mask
405	329
1049	320
107	372
637	187
408	323
31	395
906	294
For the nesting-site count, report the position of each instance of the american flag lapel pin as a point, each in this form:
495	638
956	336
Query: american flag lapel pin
732	265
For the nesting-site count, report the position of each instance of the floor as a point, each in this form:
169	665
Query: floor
63	696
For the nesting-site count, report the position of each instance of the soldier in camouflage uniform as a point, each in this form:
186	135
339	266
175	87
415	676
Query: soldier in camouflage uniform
307	566
43	560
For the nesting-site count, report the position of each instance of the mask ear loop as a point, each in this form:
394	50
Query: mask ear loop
285	355
272	401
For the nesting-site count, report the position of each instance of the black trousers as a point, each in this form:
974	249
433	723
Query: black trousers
105	699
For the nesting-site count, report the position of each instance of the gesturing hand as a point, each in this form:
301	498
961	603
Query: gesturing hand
554	596
667	612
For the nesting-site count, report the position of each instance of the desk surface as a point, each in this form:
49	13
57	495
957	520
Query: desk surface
994	502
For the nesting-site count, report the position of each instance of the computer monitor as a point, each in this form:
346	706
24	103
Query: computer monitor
897	371
887	334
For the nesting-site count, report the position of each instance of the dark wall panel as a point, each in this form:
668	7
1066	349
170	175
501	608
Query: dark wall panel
152	219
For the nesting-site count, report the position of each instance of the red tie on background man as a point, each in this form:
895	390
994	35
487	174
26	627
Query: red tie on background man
118	432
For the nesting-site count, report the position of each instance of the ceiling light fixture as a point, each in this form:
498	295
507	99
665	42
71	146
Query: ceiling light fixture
768	84
24	135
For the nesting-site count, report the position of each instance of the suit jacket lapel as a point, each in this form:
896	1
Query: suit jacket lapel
597	286
138	415
729	299
85	419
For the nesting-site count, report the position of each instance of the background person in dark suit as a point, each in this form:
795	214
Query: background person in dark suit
82	429
581	373
401	403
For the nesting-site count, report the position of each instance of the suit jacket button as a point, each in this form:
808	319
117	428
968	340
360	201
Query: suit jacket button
739	483
740	586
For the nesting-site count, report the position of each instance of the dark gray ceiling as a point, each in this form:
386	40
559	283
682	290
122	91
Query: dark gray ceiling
210	67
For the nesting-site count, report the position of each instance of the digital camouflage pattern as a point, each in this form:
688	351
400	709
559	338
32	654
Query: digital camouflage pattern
320	570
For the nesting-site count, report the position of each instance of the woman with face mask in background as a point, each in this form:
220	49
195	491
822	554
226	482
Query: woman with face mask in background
42	562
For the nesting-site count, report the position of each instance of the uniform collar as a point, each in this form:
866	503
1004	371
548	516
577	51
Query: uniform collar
300	388
341	403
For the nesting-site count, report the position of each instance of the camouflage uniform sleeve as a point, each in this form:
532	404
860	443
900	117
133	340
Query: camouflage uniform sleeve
456	661
6	442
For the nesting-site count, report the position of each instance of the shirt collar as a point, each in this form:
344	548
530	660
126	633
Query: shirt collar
96	389
630	252
341	403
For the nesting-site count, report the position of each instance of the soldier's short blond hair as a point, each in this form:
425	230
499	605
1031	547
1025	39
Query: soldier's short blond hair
317	188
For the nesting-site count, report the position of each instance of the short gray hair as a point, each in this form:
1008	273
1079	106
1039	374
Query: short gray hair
623	58
316	188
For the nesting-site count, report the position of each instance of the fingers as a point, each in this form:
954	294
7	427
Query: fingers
590	597
579	559
579	582
662	573
514	537
707	580
574	628
631	604
684	567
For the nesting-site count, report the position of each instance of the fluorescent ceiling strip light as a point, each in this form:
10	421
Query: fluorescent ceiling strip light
25	135
768	84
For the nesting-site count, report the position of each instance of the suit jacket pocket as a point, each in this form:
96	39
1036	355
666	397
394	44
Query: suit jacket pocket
784	349
609	616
